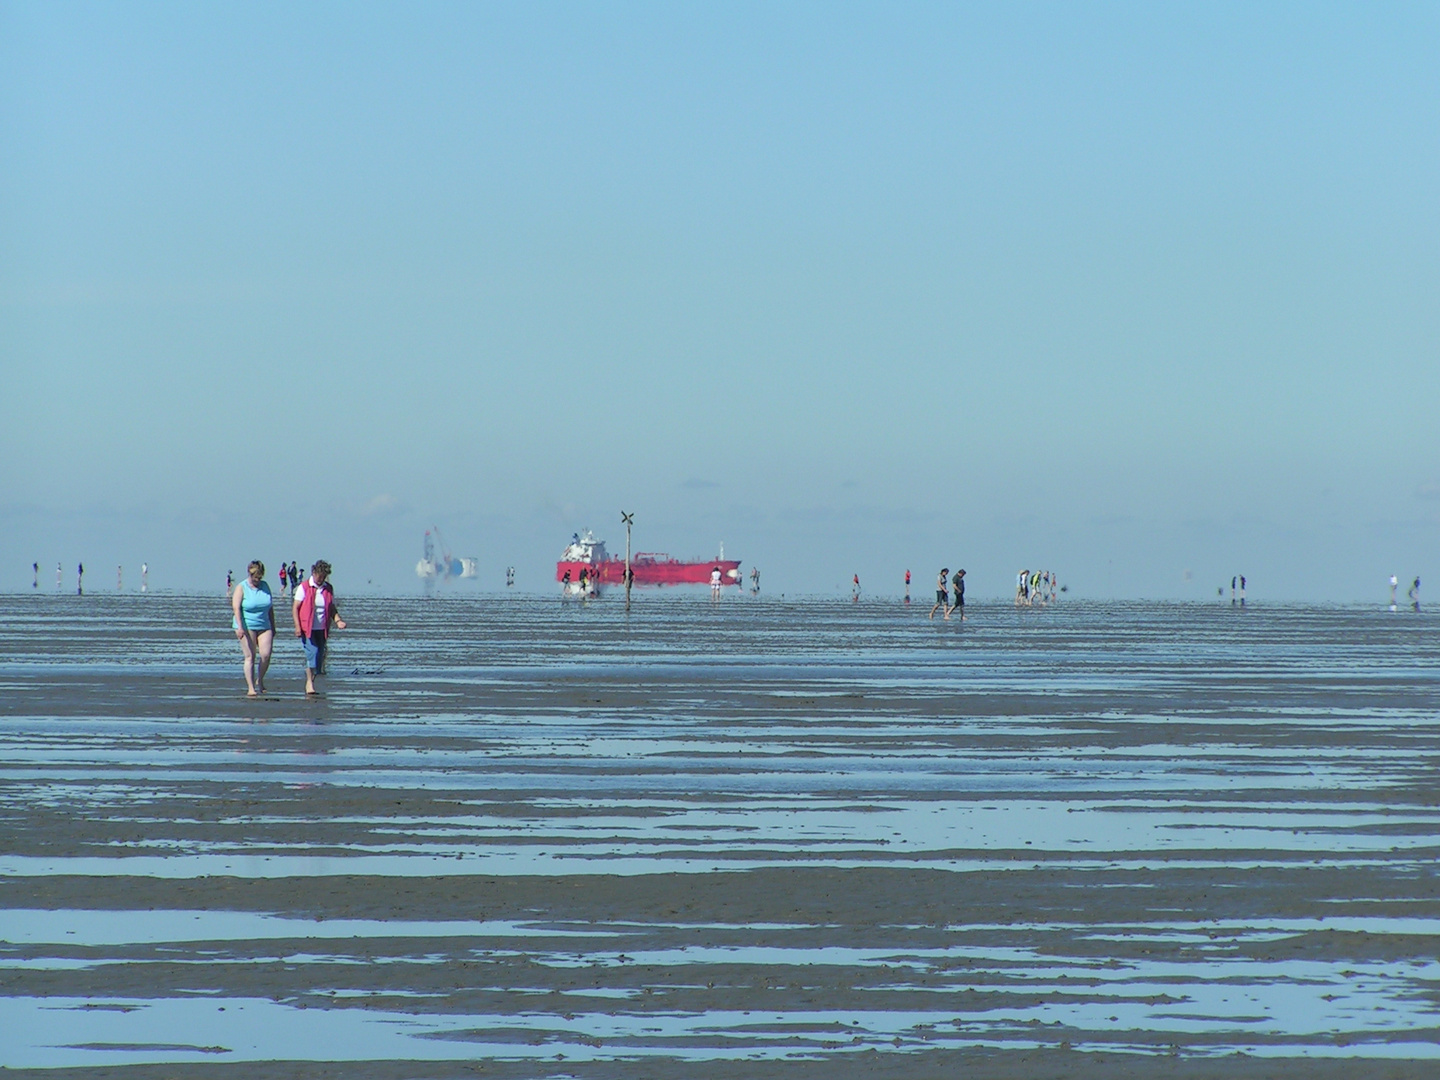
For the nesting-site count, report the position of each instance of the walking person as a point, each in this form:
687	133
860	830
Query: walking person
144	577
716	579
1414	595
315	612
254	625
942	593
855	589
36	568
959	605
80	580
907	586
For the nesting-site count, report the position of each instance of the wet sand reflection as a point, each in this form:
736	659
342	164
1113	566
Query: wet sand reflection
773	833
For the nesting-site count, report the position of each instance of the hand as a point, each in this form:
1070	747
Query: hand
339	623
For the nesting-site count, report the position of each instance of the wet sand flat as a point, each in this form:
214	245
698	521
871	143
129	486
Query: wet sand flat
804	838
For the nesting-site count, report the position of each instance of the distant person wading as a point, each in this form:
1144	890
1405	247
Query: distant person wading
942	593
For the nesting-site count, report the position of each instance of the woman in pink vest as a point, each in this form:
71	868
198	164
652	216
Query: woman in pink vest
315	613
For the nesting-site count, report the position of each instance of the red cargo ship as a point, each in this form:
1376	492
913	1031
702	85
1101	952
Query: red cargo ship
587	556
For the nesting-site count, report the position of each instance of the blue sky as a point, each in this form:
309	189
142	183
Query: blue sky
1124	291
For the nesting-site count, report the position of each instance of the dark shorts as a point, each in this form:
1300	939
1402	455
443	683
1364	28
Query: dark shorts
959	599
315	650
941	596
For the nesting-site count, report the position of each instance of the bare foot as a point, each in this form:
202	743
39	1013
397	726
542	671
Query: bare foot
251	693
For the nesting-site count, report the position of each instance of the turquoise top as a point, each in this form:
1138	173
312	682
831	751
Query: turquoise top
255	605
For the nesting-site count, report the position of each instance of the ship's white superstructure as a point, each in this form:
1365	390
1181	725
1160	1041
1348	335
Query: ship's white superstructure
585	553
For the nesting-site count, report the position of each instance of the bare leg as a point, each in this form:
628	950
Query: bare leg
264	643
318	657
247	647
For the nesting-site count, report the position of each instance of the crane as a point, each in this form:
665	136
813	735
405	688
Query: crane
442	566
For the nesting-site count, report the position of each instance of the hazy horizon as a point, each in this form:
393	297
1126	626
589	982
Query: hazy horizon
1141	295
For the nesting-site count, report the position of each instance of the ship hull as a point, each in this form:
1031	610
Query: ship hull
651	571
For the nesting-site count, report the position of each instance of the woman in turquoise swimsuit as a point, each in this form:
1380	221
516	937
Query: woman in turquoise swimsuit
254	626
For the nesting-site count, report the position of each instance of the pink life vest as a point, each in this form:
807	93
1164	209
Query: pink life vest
307	606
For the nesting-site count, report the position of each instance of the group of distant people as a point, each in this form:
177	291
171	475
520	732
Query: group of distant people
584	587
289	578
1241	579
314	613
80	577
1412	593
942	594
1035	587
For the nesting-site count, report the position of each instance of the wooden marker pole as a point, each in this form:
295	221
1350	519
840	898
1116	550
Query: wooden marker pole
628	519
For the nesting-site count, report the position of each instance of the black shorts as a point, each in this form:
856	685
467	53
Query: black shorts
941	596
959	599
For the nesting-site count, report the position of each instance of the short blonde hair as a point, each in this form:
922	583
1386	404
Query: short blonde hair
256	564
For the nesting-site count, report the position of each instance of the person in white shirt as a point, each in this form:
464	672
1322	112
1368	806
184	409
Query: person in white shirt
315	612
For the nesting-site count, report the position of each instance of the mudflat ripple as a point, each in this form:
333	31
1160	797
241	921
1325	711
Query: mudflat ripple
714	840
